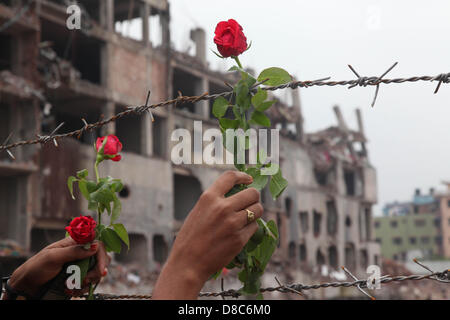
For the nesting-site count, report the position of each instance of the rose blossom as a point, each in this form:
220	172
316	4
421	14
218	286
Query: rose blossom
229	38
112	147
82	229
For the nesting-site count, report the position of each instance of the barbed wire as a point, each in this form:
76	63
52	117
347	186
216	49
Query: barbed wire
18	15
361	81
298	288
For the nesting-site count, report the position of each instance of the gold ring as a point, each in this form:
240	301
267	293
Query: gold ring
250	216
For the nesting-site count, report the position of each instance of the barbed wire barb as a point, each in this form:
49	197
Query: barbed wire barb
51	136
287	288
432	272
7	150
358	286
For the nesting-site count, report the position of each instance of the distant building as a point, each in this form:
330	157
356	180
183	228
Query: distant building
413	229
396	209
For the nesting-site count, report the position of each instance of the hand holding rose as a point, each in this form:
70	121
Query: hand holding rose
31	276
214	232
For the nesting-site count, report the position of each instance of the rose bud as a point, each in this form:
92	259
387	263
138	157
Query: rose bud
82	229
112	147
229	38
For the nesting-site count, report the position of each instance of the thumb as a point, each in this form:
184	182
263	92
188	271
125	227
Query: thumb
72	253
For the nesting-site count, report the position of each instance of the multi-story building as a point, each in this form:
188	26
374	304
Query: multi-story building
444	209
413	229
51	75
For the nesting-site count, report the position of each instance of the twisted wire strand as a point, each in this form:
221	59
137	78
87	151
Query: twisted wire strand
360	81
443	277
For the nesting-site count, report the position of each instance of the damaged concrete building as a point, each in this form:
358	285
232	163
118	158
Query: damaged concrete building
51	75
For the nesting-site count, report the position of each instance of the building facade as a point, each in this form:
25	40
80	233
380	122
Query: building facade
415	229
51	75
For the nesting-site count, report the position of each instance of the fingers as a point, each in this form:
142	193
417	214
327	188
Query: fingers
227	181
67	241
248	231
242	216
244	199
103	260
71	253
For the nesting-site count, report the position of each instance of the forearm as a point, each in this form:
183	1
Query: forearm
175	284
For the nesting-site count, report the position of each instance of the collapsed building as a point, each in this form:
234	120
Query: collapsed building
51	75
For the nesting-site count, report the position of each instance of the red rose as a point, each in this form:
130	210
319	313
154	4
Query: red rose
82	229
112	147
230	39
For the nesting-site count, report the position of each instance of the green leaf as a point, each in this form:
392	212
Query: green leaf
265	105
259	181
258	236
236	68
259	97
92	205
260	118
277	184
261	157
117	208
111	240
103	195
82	174
276	76
84	266
237	112
122	233
116	185
242	95
83	188
250	80
70	181
220	107
228	123
220	56
91	186
273	228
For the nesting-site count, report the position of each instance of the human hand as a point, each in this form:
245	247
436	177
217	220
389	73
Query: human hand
31	276
214	232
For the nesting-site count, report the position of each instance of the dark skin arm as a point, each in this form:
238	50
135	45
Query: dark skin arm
214	232
47	263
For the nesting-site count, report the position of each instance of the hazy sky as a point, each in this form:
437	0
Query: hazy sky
408	130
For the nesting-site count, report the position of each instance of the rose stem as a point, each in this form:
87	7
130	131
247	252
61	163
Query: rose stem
237	61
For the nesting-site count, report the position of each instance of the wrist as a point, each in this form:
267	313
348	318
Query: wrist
18	283
177	282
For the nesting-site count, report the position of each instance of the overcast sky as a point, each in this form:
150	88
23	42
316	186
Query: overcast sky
408	130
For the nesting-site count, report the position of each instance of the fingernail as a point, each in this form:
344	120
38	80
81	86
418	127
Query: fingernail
105	272
94	246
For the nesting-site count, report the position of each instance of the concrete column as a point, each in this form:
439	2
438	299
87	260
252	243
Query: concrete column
108	110
198	35
202	107
165	20
146	135
299	124
109	14
145	14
